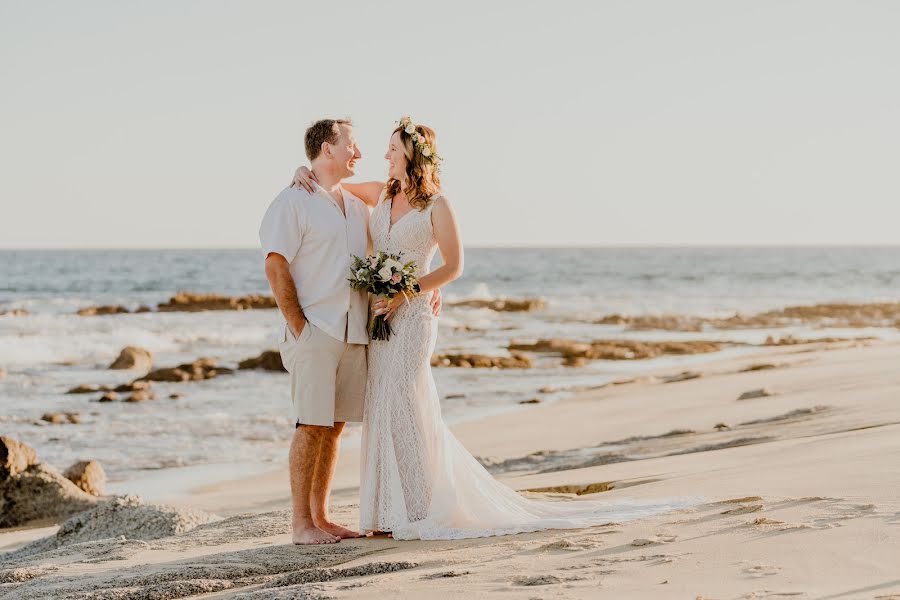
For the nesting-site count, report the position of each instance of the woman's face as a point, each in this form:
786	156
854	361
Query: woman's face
396	158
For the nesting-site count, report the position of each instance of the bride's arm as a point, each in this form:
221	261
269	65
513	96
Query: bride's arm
446	233
369	192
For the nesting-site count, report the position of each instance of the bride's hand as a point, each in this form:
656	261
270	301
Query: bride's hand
306	179
386	306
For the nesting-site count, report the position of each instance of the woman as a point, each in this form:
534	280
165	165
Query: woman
417	481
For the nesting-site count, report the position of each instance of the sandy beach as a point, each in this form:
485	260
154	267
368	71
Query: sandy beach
794	495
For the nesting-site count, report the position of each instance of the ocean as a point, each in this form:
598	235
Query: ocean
236	424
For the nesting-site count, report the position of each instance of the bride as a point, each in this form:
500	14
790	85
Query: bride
417	481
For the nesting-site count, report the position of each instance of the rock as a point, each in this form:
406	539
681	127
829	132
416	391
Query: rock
143	309
760	393
87	389
481	361
188	302
721	427
133	357
759	367
503	305
15	312
87	475
547	389
642	542
174	396
92	311
531	401
683	376
133	386
269	360
141	396
40	492
2	373
15	457
108	397
200	369
574	353
60	418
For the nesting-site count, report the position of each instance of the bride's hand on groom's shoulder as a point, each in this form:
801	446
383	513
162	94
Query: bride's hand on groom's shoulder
304	178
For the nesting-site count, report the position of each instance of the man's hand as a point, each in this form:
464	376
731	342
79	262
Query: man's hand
436	303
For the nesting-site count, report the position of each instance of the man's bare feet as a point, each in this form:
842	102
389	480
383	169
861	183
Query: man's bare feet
338	530
314	535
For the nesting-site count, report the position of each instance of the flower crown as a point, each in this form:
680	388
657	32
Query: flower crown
420	143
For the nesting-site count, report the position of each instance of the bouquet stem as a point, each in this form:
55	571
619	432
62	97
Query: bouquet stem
381	329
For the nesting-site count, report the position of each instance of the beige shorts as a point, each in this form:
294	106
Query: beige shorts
328	377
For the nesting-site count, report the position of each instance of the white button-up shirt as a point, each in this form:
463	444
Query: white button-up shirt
318	241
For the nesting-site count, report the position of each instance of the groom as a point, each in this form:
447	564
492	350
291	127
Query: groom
308	240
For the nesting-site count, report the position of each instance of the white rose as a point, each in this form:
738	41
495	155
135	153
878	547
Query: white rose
410	129
393	265
360	273
385	273
426	151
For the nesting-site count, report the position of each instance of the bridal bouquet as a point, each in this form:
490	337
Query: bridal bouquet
383	275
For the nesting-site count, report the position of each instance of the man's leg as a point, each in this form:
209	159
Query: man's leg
302	459
321	486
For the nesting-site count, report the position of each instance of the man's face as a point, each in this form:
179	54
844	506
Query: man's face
345	151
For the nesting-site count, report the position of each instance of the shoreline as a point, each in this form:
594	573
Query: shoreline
794	512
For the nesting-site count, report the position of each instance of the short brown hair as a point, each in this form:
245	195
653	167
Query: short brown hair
323	130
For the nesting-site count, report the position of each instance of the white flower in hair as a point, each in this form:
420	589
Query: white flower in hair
426	151
410	129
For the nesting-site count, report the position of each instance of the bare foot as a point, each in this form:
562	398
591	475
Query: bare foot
314	535
384	533
337	530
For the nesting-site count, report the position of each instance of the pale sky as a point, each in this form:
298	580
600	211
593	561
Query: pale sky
174	123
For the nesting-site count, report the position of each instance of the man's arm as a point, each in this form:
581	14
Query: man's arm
282	283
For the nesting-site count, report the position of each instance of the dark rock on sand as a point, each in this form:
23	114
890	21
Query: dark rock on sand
760	393
40	492
87	389
188	302
200	369
503	305
269	360
683	376
15	457
108	397
481	361
92	311
87	475
531	401
133	357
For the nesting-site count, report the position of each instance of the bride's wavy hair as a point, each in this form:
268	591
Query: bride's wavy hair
423	179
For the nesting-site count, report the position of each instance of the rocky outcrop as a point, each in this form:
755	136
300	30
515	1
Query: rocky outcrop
503	305
141	396
188	302
88	475
30	490
269	360
87	389
15	457
576	353
481	361
15	312
790	340
200	369
93	311
133	357
40	492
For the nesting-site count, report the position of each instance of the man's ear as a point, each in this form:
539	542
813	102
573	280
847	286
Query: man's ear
326	149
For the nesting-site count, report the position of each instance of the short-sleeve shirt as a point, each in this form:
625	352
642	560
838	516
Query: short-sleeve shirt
319	241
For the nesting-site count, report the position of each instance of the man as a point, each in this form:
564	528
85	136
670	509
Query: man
308	240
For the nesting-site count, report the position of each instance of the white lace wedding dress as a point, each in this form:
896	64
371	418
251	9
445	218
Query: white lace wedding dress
417	480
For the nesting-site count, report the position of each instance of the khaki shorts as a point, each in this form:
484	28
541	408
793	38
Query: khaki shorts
328	377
